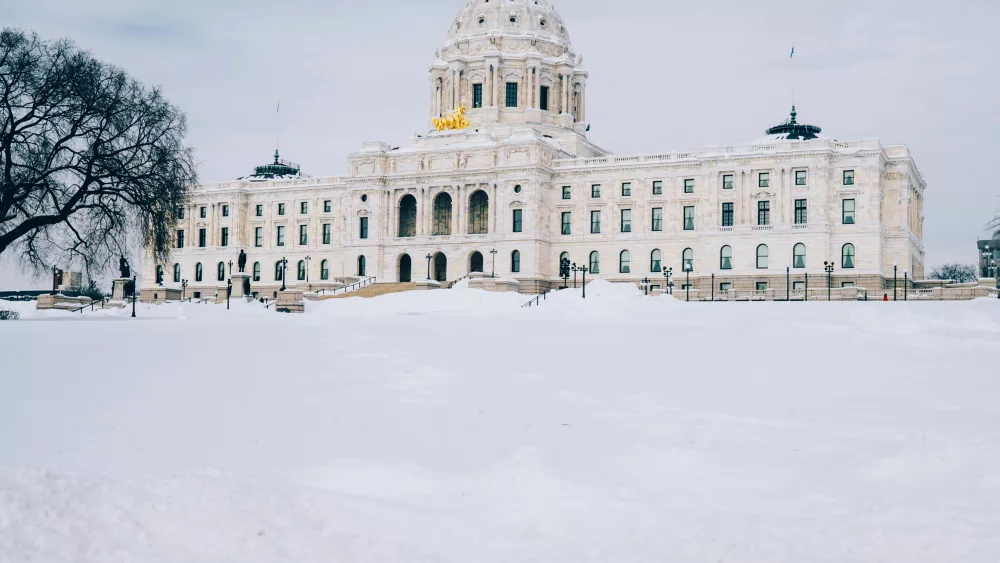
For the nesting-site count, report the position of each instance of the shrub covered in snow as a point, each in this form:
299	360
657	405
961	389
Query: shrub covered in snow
9	316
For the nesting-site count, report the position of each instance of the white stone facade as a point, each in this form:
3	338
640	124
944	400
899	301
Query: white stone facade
523	152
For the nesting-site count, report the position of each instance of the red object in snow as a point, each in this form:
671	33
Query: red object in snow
885	297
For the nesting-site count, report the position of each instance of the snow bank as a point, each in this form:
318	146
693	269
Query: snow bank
455	426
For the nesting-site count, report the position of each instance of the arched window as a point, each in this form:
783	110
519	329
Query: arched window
726	258
198	272
655	261
222	271
324	270
442	215
847	257
476	262
302	270
362	266
515	262
159	274
564	255
595	262
625	262
256	271
799	256
479	211
408	216
177	273
278	271
762	257
687	260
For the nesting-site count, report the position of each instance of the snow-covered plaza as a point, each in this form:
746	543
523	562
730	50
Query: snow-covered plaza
457	426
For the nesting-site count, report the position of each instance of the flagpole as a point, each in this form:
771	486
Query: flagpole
794	77
277	131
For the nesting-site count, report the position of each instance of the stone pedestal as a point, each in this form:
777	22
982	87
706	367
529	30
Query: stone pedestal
238	285
118	292
428	284
61	302
494	284
290	301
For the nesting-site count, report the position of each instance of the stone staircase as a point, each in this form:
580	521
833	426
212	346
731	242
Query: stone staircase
377	289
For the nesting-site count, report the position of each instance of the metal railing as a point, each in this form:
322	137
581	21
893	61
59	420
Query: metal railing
452	284
92	304
537	300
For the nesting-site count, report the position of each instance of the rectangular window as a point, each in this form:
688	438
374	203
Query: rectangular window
727	214
848	211
798	286
180	239
281	209
657	187
595	191
180	212
801	212
303	208
281	236
203	213
326	233
763	213
364	228
225	236
800	177
846	284
657	219
761	286
567	221
595	222
517	221
727	181
543	99
725	286
258	237
689	186
477	96
764	180
626	220
202	238
689	218
848	177
303	235
626	189
567	192
512	94
326	206
260	210
225	211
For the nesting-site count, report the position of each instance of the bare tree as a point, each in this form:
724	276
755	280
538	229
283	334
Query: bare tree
960	273
89	157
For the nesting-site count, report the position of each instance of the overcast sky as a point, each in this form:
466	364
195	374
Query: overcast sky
663	76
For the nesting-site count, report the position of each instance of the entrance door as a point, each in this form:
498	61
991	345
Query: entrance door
440	267
405	269
476	262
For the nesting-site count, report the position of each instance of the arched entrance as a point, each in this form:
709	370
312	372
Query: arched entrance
405	269
440	267
476	262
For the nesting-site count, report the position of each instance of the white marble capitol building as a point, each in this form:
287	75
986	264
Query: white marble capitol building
525	181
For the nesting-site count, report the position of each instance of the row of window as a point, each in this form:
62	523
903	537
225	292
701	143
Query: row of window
763	181
324	271
510	96
847	259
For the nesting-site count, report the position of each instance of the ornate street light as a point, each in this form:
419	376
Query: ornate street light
828	266
429	257
687	284
493	272
895	278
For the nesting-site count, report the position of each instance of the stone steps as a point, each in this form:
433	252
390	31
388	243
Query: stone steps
377	289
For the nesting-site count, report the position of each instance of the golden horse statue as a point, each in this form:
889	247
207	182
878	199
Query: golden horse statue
452	121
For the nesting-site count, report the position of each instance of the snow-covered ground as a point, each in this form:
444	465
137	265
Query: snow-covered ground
455	426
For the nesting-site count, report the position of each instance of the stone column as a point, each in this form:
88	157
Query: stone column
538	88
583	101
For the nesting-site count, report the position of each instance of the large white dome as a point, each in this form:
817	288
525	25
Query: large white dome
530	18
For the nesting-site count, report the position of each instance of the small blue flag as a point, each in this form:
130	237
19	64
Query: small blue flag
792	56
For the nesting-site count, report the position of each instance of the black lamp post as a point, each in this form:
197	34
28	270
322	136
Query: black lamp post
493	272
805	298
573	269
828	266
895	278
713	287
184	285
229	291
645	286
906	282
135	292
687	284
284	273
308	262
583	270
55	285
668	286
230	268
429	267
788	284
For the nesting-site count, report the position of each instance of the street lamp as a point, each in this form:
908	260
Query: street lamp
574	269
284	273
134	294
645	285
906	282
668	286
895	278
788	284
687	284
713	287
429	267
828	266
229	291
583	269
805	297
308	261
184	285
493	273
230	268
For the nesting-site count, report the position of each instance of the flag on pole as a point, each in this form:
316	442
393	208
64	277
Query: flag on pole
792	56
